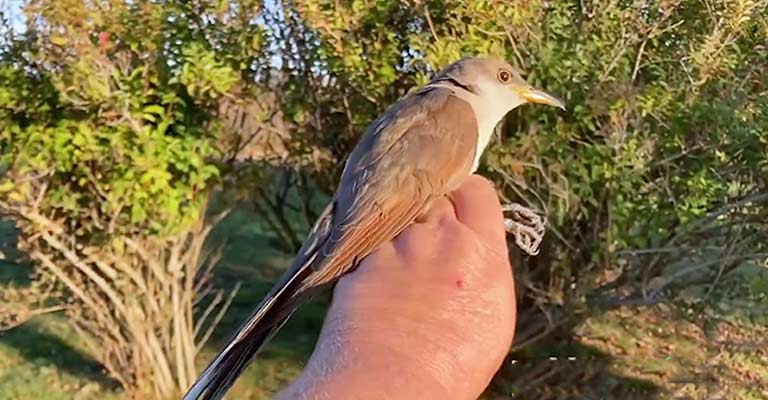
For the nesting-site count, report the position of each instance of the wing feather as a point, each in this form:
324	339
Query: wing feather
423	151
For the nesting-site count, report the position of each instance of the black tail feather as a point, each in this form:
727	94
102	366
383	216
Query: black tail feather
216	380
263	324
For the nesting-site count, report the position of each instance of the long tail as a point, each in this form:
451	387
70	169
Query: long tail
268	318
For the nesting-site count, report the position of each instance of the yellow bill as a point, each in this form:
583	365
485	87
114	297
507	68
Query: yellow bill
537	96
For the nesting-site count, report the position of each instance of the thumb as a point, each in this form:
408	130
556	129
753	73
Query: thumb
477	206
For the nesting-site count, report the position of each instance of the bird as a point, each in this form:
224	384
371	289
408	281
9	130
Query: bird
421	148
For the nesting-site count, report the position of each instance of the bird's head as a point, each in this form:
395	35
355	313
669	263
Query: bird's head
492	85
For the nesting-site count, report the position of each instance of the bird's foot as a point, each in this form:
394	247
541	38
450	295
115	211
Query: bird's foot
526	226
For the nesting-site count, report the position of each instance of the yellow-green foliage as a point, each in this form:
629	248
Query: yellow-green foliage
667	109
108	154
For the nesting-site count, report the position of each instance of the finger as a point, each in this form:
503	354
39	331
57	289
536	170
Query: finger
440	209
477	206
370	268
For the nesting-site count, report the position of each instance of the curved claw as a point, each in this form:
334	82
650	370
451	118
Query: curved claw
526	226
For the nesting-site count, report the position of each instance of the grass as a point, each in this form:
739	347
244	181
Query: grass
660	352
44	359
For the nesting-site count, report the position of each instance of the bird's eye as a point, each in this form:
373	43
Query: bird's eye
504	76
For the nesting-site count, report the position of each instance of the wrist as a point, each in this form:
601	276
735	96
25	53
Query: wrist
356	375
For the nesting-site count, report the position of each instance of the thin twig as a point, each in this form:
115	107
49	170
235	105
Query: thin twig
432	30
218	318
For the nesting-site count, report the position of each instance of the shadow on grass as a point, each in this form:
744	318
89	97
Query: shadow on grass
33	340
42	348
249	257
554	371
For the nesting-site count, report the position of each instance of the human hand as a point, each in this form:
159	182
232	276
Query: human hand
429	315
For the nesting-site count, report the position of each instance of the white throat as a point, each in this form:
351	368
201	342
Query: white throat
488	116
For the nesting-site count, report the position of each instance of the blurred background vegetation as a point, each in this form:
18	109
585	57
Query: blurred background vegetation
157	156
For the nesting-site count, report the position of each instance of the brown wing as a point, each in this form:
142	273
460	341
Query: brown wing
420	150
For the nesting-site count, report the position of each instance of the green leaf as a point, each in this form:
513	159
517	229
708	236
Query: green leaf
7	186
154	109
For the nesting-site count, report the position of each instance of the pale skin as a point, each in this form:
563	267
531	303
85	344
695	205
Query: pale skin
428	315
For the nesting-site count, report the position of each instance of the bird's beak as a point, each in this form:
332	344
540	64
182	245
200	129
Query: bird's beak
532	95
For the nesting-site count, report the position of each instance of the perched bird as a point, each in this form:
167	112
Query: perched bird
421	148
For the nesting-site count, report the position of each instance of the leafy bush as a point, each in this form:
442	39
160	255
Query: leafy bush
109	151
656	172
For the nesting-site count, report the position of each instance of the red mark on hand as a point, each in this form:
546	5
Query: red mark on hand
459	283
